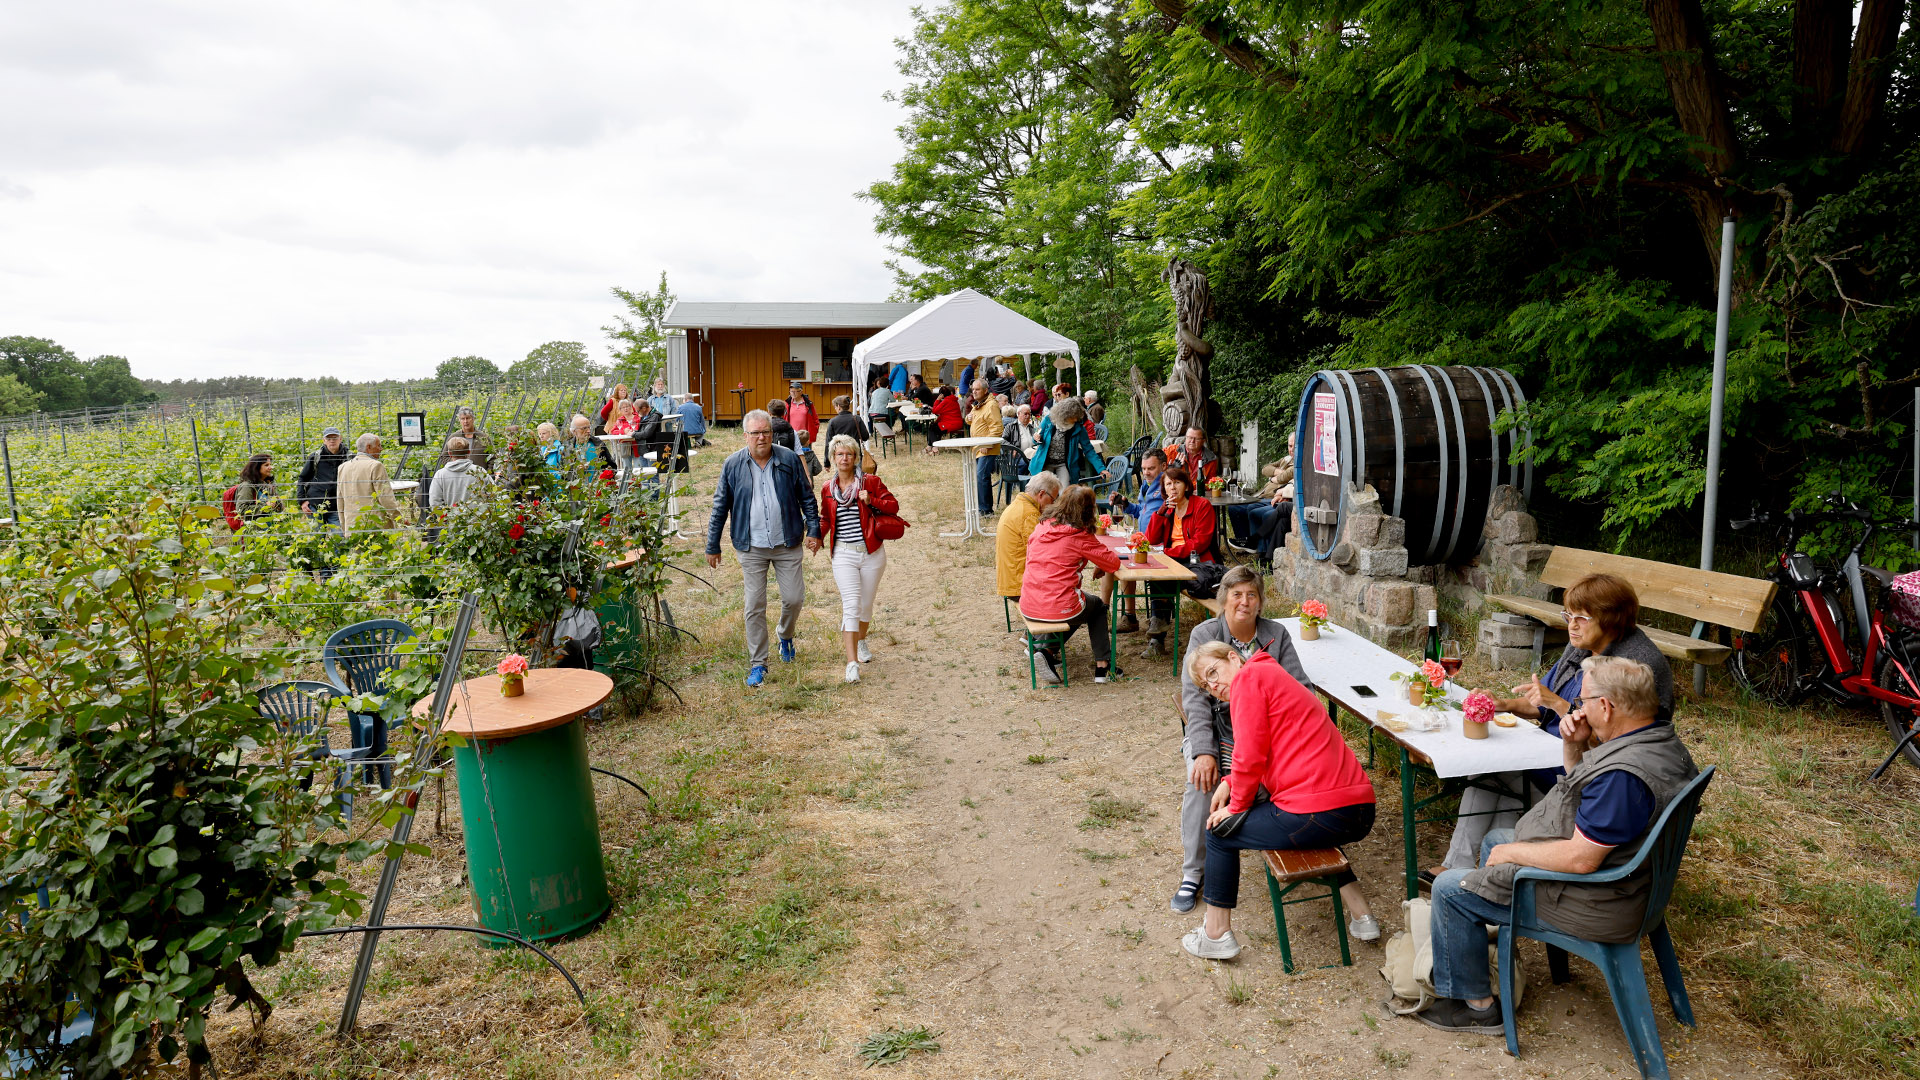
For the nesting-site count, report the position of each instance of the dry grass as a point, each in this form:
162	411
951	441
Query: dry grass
1794	911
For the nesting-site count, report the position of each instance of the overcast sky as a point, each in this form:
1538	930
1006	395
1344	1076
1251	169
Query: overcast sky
364	189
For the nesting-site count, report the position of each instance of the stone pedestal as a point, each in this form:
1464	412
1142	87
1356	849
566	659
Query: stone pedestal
1365	582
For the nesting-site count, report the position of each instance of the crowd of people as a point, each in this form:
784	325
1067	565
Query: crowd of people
1264	765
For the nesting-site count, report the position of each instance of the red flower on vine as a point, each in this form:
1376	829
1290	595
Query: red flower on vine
606	474
517	531
607	519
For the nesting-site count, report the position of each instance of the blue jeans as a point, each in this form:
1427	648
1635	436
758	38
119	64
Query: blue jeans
1460	920
1269	828
984	471
1261	523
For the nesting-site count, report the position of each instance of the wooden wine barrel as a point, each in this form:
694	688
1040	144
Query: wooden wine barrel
1423	436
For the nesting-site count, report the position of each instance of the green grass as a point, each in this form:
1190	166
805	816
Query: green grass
1106	811
891	1047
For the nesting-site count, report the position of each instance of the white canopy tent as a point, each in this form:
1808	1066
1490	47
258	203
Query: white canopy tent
960	326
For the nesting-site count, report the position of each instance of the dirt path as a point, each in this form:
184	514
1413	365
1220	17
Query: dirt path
1034	932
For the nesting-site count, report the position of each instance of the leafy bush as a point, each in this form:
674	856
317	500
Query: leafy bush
164	817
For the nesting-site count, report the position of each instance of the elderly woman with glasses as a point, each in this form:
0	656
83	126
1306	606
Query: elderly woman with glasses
1601	613
1295	784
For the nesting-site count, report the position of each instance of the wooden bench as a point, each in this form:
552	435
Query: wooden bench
1211	605
1289	870
1707	597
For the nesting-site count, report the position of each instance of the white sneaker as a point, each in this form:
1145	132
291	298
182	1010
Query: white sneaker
865	654
1206	948
853	675
1364	928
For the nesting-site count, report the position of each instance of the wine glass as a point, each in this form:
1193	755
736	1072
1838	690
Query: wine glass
1450	656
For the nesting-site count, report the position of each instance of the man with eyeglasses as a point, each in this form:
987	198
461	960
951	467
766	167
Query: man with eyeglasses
1623	768
764	490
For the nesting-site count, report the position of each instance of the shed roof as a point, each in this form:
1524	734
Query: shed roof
741	315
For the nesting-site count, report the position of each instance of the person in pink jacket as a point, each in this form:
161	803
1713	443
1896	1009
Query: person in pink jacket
1050	590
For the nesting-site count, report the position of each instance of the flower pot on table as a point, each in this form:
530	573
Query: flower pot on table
1309	632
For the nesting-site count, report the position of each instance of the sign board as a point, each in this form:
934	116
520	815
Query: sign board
1250	453
1326	436
597	382
413	428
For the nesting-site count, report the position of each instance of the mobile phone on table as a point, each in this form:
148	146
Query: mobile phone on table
1363	691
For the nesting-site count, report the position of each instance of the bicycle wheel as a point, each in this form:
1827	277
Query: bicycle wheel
1898	718
1769	662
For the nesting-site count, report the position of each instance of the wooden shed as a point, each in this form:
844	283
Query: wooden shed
764	347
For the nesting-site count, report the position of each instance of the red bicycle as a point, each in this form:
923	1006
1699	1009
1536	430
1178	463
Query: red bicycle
1825	635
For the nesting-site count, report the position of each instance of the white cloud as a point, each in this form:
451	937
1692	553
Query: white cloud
363	189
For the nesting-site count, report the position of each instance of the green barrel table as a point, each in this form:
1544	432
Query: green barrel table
526	802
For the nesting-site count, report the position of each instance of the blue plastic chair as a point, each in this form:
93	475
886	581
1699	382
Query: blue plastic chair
301	708
355	658
1103	491
1013	474
18	1062
1666	842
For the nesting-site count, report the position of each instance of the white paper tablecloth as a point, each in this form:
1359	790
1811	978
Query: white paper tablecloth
1342	659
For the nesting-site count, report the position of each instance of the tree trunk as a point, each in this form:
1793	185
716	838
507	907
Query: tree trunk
1821	30
1867	73
1693	81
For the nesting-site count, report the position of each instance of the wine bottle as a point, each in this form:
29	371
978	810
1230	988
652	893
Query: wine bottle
1433	635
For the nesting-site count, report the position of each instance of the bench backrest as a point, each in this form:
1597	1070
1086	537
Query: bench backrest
1704	595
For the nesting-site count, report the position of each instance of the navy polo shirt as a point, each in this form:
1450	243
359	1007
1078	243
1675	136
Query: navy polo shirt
1616	807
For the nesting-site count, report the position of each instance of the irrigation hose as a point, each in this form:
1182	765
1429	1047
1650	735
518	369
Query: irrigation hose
515	938
622	779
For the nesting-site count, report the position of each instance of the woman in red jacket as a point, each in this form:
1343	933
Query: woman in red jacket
1183	525
946	416
1294	784
1050	590
848	502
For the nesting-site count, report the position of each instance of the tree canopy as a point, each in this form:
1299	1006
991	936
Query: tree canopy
555	360
639	342
63	381
459	371
1486	182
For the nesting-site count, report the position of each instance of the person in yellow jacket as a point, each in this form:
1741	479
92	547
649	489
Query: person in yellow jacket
1016	525
983	422
364	485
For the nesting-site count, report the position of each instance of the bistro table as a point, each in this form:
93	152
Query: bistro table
1160	567
1342	663
741	392
620	446
526	801
968	484
910	411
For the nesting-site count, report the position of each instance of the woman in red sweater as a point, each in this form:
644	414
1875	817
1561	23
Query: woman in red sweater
848	502
1183	526
1050	590
946	416
1285	750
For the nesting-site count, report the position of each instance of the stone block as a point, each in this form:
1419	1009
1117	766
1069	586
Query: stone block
1425	598
1503	658
1393	532
1514	528
1479	579
1423	575
1364	501
1536	557
1505	634
1390	602
1343	556
1505	499
1398	639
1383	562
1512	619
1363	530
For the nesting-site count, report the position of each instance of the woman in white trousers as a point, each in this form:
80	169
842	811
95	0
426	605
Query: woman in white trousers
851	506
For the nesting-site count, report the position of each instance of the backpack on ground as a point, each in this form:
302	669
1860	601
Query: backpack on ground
227	509
1409	966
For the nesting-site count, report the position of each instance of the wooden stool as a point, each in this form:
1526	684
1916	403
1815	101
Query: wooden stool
1293	869
1037	634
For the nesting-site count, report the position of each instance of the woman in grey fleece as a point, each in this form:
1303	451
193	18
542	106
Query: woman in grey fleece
1603	615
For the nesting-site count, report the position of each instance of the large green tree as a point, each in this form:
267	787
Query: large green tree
556	361
464	371
64	381
1017	151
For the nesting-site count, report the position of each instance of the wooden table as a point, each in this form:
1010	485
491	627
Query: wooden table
969	488
741	392
526	801
1342	662
1160	567
910	410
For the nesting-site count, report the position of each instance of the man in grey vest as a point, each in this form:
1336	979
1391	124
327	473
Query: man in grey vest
1623	768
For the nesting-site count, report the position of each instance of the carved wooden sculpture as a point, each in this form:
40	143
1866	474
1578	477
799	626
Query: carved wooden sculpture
1187	398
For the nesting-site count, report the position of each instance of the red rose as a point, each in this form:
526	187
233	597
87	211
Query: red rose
606	474
517	531
607	520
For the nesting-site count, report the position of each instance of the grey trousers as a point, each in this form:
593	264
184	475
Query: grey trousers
1193	821
1463	851
793	595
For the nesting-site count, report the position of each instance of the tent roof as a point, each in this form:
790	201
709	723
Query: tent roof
962	324
736	315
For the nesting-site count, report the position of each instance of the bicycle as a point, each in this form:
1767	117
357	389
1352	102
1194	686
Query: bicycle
1861	659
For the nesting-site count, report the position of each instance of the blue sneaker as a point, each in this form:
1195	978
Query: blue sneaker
756	675
786	650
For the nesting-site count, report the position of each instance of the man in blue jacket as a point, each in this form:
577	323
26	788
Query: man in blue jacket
765	490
